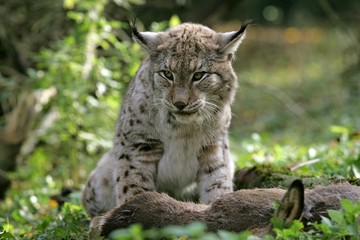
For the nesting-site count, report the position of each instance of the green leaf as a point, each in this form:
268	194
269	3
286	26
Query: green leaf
174	21
348	205
325	221
339	129
336	216
69	4
6	235
194	229
353	229
224	235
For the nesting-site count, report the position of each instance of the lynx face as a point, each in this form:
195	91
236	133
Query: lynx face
190	92
181	95
192	73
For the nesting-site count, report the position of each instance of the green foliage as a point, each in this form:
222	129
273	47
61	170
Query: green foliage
32	214
290	232
339	159
195	230
70	223
342	223
46	223
89	68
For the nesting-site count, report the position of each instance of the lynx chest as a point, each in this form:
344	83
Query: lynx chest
179	164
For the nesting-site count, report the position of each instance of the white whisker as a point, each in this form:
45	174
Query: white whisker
203	112
212	107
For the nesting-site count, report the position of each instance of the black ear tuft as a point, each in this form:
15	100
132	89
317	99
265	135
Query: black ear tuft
230	41
242	29
148	40
136	34
132	24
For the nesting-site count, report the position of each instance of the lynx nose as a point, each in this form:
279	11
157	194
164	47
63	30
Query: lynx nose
180	105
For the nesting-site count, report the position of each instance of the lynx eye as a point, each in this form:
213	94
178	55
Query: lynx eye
167	74
198	76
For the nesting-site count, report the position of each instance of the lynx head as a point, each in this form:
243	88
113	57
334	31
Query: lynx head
191	69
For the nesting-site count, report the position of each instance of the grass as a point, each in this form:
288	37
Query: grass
292	108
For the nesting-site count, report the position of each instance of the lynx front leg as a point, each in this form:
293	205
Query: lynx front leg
216	171
135	171
98	193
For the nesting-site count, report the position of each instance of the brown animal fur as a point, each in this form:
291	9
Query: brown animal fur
237	211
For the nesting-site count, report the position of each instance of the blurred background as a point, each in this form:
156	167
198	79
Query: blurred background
64	66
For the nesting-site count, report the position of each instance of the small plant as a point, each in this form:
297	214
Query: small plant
195	230
341	224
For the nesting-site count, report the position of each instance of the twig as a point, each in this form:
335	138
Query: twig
307	163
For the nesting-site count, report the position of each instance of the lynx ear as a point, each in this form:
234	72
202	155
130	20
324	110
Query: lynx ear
230	41
292	205
148	40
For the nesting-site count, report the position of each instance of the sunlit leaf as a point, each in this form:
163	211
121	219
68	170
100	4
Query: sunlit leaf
325	221
174	21
69	4
336	216
339	129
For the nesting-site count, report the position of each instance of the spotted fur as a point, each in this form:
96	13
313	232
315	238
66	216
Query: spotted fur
172	131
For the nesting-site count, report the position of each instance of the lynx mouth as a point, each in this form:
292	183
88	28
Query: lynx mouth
184	113
185	117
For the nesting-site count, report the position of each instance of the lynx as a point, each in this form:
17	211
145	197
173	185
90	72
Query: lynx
172	131
237	211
